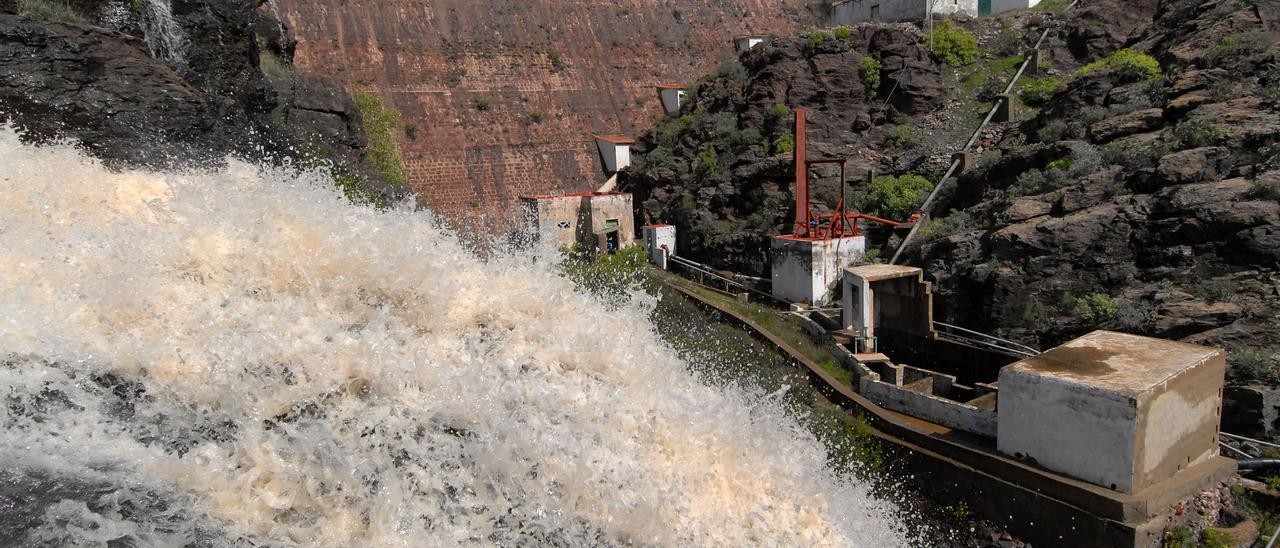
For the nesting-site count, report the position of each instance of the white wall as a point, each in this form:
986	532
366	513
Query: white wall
657	236
857	11
808	271
671	100
615	156
1000	6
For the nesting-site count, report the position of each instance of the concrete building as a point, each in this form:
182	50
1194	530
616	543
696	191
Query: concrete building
659	243
744	43
1116	410
807	270
672	96
893	294
849	12
992	7
602	221
615	152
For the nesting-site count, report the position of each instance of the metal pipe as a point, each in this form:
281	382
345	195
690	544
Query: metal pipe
1233	449
1257	464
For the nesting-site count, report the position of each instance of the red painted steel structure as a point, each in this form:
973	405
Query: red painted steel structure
809	226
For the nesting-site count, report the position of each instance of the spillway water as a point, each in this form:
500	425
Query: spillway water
164	37
240	357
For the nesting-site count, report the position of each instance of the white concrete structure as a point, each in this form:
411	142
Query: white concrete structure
615	151
1121	411
807	270
659	243
857	11
672	96
883	294
593	220
1001	6
744	43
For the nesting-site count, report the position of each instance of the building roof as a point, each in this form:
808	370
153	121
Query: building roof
877	272
573	195
616	139
1117	362
670	86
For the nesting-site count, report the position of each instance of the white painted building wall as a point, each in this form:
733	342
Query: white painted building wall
656	238
744	43
1001	6
672	100
857	11
615	156
808	271
1116	410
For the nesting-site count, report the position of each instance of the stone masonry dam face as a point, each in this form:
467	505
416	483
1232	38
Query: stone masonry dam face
583	67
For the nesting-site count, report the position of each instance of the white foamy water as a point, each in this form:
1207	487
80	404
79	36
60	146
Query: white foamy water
243	357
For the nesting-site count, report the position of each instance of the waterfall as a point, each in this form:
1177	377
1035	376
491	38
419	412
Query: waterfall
165	39
241	357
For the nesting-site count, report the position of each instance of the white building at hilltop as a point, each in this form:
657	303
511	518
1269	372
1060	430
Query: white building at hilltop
846	12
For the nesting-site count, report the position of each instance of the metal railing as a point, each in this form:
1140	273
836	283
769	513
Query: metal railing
983	340
705	270
955	164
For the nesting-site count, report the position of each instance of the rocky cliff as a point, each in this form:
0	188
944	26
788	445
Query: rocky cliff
1141	193
155	83
501	98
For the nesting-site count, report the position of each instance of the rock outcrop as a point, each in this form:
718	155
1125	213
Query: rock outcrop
94	78
722	170
1145	206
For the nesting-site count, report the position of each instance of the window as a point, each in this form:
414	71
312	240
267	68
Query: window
875	12
611	223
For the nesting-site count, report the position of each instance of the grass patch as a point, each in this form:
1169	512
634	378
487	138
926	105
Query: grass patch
53	11
1126	65
381	155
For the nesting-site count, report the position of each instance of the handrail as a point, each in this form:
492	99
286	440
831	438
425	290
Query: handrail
706	270
976	338
973	139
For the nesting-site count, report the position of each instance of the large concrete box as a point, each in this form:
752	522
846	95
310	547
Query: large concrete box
807	270
1116	410
659	243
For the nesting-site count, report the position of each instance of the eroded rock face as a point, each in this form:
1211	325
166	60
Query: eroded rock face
719	172
98	83
1161	216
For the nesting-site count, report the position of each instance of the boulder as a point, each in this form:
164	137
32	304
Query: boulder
1127	124
1196	164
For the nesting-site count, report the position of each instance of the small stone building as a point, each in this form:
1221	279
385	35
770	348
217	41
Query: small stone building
599	221
1116	410
744	43
615	152
807	270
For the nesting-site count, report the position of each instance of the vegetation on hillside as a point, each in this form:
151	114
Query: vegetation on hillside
54	11
953	45
381	155
1126	65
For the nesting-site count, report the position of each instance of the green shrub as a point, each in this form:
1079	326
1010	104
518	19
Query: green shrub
557	63
1199	133
1094	307
1037	92
1235	46
358	191
1262	189
816	39
945	227
1216	538
902	137
786	143
708	165
380	154
536	117
1216	290
1273	482
1126	65
481	104
897	197
1063	163
841	33
1247	364
780	112
869	70
954	45
411	131
1179	537
54	11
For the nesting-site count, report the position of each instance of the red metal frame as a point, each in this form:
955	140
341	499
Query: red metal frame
809	226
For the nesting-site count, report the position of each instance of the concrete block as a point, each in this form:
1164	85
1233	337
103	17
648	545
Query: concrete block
659	243
1036	56
966	161
807	270
1116	410
1004	110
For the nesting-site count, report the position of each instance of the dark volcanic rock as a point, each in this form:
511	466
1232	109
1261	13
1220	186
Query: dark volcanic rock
718	171
104	89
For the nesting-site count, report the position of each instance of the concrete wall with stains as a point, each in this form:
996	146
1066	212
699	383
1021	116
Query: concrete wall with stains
554	72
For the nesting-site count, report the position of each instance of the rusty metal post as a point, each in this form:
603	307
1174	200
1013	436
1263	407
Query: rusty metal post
801	190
